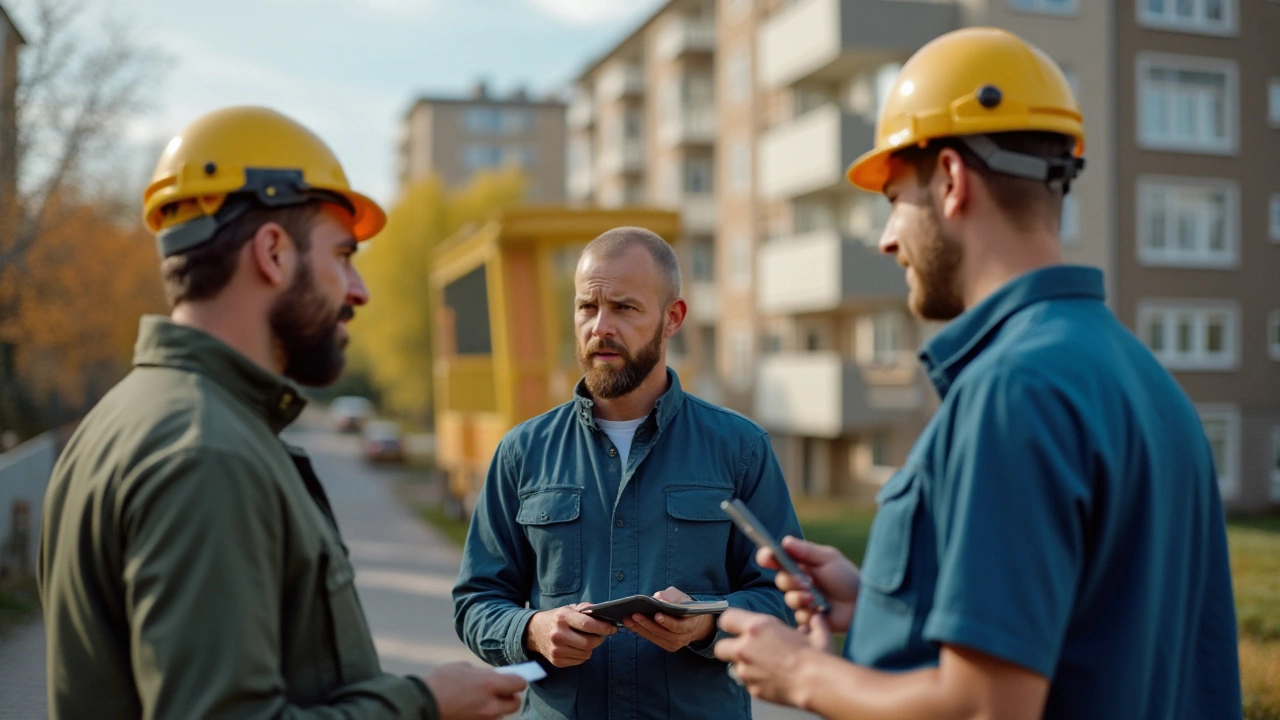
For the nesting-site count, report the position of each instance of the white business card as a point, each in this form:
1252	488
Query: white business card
530	671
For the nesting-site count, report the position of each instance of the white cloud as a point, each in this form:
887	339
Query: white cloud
589	12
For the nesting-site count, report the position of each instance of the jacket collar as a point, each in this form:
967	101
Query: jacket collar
963	339
667	407
164	343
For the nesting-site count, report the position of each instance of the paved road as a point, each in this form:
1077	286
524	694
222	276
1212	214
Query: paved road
404	571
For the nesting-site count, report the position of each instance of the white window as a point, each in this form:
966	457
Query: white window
1222	428
740	167
1214	17
632	123
1187	103
740	357
1273	335
697	175
1187	223
887	340
1275	464
1274	208
1273	102
740	261
739	71
497	121
1048	7
1069	227
1200	336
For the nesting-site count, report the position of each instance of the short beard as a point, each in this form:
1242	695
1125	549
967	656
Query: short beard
936	264
308	332
603	381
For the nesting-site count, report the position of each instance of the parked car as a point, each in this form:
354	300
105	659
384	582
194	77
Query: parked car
351	412
383	442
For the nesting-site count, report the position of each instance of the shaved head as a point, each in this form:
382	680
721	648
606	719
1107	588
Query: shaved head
616	242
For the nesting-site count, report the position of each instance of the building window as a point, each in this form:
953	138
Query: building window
740	261
697	175
497	121
1215	17
1222	428
1275	464
1187	223
632	123
1069	225
1186	336
1273	335
739	71
740	358
704	261
740	167
887	338
1274	207
480	157
1273	102
1186	103
1048	7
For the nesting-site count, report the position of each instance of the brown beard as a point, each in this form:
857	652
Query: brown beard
605	382
308	331
936	264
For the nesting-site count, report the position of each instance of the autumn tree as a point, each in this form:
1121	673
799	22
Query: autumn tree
392	334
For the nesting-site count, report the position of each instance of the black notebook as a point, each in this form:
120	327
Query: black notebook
616	610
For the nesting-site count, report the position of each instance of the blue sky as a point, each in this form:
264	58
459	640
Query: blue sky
349	69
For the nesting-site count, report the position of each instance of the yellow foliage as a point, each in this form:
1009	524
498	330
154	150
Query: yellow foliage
391	336
1260	675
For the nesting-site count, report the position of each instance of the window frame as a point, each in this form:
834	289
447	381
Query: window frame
1229	468
1170	311
1228	68
1228	26
1045	7
1170	256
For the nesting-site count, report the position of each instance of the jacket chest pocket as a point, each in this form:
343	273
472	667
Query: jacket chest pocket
886	615
550	519
697	540
355	656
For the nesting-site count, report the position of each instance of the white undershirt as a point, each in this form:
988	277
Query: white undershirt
621	433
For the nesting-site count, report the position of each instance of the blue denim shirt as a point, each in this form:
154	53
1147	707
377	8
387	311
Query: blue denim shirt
560	521
1061	512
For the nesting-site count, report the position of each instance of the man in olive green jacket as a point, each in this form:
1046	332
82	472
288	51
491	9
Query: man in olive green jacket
190	563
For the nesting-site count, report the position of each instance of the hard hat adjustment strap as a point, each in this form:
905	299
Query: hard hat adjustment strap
1056	173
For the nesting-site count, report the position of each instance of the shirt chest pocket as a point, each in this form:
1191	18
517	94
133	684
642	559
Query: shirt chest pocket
697	539
355	656
550	519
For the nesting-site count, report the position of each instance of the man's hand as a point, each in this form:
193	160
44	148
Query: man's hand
670	633
465	692
565	636
835	577
767	656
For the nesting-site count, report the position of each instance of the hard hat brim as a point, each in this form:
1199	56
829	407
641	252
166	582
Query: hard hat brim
369	218
870	172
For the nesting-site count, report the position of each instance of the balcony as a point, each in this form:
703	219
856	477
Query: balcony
821	272
582	113
694	125
704	302
811	153
626	156
825	40
698	213
821	394
621	79
685	35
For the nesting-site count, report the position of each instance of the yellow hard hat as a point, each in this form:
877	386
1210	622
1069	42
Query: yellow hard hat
253	151
970	82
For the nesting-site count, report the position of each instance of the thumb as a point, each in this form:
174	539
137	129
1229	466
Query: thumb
809	553
508	684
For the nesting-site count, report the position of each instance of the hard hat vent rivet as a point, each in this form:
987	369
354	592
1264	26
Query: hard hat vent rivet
210	168
271	191
989	96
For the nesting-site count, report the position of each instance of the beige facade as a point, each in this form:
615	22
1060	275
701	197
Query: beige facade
814	339
454	138
642	131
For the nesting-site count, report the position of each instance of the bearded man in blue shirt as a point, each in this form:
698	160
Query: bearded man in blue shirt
1054	546
618	493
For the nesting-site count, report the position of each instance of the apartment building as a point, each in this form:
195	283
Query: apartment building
1179	205
642	131
454	138
10	42
1197	272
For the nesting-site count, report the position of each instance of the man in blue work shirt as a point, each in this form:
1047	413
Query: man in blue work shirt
614	494
1054	545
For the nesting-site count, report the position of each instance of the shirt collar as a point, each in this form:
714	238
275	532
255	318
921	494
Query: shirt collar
164	343
956	345
667	407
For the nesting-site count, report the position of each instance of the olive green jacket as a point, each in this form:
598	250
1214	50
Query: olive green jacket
190	564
